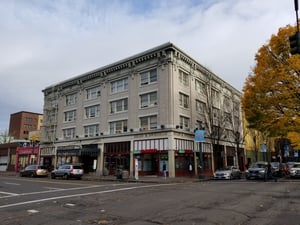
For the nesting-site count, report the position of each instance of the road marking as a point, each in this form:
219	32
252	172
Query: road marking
55	190
32	211
8	193
84	194
11	183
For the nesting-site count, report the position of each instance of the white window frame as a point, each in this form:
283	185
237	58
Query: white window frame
184	122
200	86
117	127
148	77
148	99
71	99
148	122
92	111
70	116
69	133
200	106
93	93
119	86
184	100
91	130
120	105
184	78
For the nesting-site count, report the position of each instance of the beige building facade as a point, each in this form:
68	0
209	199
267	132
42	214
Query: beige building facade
140	113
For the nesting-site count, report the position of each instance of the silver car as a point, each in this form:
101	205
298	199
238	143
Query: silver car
295	170
68	171
228	173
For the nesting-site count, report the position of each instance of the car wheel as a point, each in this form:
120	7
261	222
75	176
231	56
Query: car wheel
66	176
32	175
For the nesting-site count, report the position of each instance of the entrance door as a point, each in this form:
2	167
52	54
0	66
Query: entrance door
3	163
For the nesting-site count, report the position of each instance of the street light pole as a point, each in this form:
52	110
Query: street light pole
199	137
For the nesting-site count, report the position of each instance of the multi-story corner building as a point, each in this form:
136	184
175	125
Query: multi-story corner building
21	123
142	112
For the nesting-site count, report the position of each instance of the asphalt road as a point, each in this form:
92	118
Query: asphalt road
27	201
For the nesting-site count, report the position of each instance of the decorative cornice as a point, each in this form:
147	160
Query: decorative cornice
163	53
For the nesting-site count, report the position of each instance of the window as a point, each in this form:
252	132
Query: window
149	99
91	130
215	98
183	100
71	99
119	105
69	133
148	77
199	86
184	78
92	111
226	104
119	86
148	122
93	93
184	122
200	107
118	126
70	116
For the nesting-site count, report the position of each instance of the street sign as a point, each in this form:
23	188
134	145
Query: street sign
199	135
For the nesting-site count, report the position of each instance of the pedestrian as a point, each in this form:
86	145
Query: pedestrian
165	170
190	169
269	173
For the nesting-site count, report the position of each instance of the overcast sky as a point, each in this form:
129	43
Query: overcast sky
45	42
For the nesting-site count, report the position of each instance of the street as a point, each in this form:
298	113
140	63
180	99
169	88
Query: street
44	201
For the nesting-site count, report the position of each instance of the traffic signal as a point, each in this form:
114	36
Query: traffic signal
295	43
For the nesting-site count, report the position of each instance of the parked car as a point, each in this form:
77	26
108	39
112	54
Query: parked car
257	170
279	169
68	171
228	173
289	166
295	170
34	171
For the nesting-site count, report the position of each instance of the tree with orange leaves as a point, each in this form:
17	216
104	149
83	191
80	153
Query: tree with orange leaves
271	100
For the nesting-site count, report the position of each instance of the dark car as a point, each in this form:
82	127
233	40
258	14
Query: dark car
34	171
257	170
279	169
68	171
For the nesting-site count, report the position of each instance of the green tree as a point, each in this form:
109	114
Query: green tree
271	100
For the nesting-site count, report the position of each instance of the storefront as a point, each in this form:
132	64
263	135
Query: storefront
47	156
151	154
116	156
67	154
184	157
26	156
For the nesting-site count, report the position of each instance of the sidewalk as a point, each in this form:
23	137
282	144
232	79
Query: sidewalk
142	179
146	179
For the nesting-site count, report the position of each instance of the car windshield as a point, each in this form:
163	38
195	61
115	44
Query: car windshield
275	164
226	168
259	165
77	167
43	167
